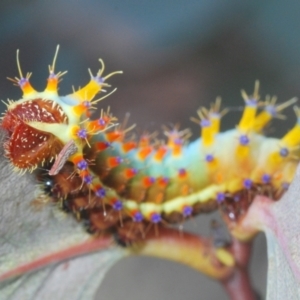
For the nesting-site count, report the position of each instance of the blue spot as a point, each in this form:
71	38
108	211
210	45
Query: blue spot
119	159
181	172
220	197
134	171
98	79
22	82
155	218
215	115
205	123
244	140
165	180
187	211
52	75
284	152
285	185
209	157
266	178
101	122
82	133
251	102
247	183
88	179
118	205
236	198
178	141
82	165
100	193
86	104
137	217
271	109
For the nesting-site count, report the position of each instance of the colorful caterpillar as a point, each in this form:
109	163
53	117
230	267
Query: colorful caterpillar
117	183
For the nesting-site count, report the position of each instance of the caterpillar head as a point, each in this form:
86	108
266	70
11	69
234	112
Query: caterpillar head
40	124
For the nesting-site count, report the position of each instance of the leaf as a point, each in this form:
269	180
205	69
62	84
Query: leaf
281	223
76	278
58	258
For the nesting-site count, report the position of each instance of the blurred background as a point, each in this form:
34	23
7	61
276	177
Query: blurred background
176	56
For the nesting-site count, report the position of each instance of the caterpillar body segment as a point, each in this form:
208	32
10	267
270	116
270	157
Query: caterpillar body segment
114	182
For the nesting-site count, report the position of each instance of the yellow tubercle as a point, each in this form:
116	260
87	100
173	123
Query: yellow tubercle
210	121
215	124
207	134
23	82
271	111
274	160
249	114
213	164
79	109
292	138
88	92
248	118
287	176
74	131
261	121
52	85
242	151
215	114
27	89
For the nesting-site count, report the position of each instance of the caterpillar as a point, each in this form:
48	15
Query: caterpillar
114	182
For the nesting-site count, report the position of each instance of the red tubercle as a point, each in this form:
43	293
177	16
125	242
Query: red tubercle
177	150
144	141
144	152
114	161
82	108
161	153
83	173
106	119
130	172
127	146
163	181
76	159
97	125
148	181
182	173
101	146
114	136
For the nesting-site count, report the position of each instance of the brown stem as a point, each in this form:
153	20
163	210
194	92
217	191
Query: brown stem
238	285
